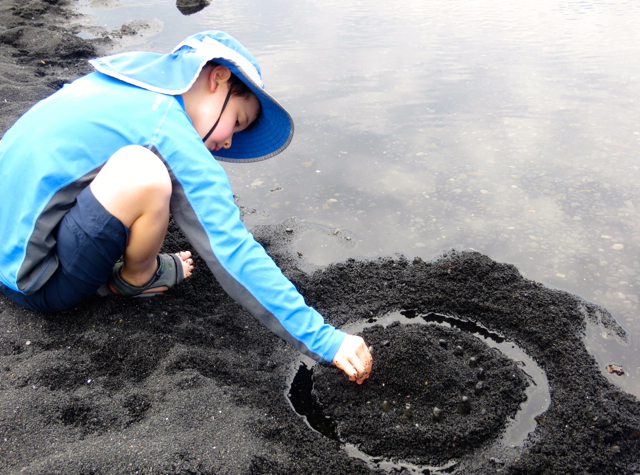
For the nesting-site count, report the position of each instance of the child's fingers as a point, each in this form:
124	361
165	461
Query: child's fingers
347	367
358	366
364	356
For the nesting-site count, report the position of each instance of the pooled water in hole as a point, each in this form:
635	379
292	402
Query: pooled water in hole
513	435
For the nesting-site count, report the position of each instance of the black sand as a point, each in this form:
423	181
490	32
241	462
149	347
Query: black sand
189	383
420	369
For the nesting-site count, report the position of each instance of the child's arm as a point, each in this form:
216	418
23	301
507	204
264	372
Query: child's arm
203	206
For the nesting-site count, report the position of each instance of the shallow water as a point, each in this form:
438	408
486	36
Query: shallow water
509	128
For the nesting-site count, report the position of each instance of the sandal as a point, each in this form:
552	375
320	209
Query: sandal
169	274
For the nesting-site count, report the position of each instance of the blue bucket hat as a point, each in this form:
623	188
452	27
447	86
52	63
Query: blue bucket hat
175	73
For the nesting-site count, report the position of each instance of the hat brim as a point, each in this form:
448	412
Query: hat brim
272	132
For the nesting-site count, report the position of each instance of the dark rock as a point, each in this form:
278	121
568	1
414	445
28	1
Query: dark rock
189	7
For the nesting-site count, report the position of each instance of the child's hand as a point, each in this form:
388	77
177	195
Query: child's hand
353	358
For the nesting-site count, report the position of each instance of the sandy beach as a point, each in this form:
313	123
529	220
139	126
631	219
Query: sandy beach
190	383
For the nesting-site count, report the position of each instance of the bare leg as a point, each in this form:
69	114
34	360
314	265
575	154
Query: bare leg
135	187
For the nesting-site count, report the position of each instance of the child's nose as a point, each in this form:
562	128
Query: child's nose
227	143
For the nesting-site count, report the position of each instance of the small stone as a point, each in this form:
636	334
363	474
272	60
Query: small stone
458	351
480	373
289	230
408	413
386	343
479	387
385	406
473	362
615	369
617	247
443	343
464	407
438	414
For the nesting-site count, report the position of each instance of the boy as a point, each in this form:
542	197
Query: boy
91	174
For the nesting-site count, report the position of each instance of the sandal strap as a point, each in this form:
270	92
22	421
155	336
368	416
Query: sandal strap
169	273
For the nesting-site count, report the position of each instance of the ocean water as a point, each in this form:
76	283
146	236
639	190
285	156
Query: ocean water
510	128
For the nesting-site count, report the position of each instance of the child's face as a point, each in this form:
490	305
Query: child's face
239	113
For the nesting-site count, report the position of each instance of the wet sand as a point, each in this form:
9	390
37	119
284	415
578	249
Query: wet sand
189	383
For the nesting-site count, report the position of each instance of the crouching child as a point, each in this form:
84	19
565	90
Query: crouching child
90	175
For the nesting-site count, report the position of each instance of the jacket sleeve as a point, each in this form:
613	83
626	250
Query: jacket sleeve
203	206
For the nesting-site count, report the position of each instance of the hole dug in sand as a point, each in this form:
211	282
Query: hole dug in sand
435	394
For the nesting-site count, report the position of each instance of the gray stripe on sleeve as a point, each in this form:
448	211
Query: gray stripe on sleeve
186	218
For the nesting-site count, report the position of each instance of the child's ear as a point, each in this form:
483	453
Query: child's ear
217	76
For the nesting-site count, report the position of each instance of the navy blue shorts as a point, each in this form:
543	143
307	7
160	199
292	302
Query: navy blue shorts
90	240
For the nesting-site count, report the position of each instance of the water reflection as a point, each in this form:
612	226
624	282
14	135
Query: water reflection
504	127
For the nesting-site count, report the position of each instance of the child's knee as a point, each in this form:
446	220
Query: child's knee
141	165
133	181
137	157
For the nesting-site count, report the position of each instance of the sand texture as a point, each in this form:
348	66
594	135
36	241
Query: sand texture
190	383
